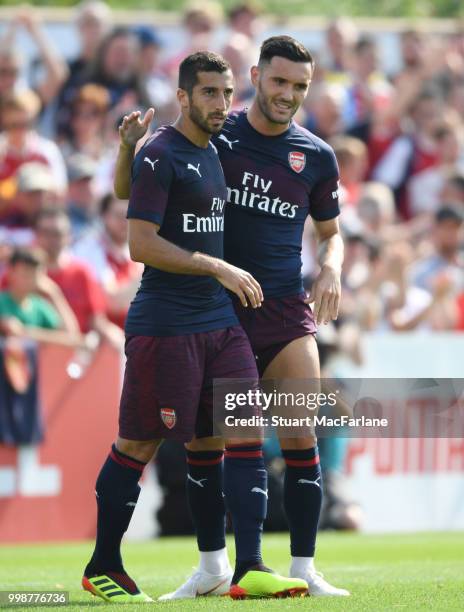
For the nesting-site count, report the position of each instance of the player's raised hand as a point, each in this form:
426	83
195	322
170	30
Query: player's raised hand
133	127
241	283
325	294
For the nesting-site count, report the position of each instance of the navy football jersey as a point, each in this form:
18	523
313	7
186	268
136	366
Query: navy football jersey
181	188
273	184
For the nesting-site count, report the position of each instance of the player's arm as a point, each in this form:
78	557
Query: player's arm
131	130
326	289
324	210
149	248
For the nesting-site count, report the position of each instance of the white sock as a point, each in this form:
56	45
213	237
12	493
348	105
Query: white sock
301	566
214	562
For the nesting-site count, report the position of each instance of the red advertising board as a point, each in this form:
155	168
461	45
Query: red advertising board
46	492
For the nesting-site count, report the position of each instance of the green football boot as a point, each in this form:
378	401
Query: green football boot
257	583
115	587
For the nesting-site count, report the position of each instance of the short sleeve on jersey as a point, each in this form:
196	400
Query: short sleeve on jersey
152	175
324	194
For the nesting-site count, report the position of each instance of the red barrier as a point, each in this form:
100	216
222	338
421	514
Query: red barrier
46	493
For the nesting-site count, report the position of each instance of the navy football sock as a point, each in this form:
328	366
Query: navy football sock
117	492
205	499
245	488
302	499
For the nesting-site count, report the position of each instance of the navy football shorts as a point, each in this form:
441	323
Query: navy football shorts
278	322
168	382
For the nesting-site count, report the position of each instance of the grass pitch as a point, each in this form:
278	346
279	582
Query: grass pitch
392	572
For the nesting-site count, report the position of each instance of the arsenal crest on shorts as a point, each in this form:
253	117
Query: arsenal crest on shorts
297	161
168	416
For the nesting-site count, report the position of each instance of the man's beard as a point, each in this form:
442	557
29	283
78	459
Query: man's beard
201	121
265	108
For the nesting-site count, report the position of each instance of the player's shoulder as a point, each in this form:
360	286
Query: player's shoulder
159	151
161	142
231	125
234	117
317	149
300	134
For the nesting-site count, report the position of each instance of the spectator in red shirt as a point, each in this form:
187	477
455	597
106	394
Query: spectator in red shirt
107	251
413	151
74	277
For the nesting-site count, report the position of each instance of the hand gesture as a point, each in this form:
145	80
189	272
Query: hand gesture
133	128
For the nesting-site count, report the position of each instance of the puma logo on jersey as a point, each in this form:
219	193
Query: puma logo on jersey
229	142
194	168
152	163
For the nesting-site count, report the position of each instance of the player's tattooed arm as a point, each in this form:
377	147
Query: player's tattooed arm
131	130
149	248
326	288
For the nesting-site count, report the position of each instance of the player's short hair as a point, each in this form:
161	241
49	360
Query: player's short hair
203	61
286	47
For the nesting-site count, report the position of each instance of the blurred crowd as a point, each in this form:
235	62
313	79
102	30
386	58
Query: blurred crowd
399	140
65	272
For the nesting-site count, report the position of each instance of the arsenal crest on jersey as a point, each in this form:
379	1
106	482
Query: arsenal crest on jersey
168	416
297	161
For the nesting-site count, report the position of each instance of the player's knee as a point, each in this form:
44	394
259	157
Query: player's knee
142	450
205	444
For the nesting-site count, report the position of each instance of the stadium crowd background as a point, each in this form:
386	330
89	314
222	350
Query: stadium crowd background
398	137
